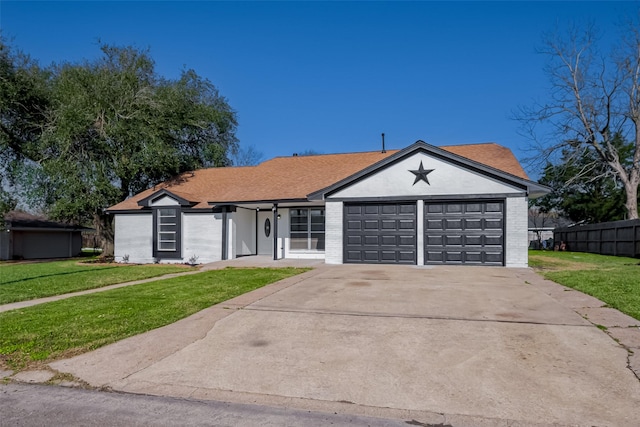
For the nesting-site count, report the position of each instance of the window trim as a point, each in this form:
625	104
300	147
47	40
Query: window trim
309	231
175	228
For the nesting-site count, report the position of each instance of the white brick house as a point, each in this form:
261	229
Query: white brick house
422	205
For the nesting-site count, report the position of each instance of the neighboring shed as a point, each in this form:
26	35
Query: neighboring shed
26	236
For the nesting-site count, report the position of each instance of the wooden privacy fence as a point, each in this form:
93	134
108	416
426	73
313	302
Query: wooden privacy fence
620	238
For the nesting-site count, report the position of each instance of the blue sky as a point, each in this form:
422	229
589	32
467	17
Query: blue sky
332	76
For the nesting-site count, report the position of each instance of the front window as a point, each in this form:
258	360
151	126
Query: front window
167	230
307	229
166	223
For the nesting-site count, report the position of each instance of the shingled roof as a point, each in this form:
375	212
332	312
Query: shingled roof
293	178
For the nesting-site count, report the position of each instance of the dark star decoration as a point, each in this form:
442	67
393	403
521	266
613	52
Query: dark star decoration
421	174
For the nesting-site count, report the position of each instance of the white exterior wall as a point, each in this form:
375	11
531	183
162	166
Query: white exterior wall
245	231
134	237
201	237
333	232
516	244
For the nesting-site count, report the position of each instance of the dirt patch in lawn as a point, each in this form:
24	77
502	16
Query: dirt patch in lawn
555	264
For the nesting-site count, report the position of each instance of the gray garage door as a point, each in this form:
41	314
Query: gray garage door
464	233
383	233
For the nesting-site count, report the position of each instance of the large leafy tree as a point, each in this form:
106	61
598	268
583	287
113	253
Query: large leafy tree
593	97
24	99
115	127
583	189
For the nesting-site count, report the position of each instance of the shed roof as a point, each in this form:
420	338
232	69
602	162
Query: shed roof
293	178
19	220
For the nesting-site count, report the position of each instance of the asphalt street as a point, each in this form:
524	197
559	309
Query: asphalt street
39	405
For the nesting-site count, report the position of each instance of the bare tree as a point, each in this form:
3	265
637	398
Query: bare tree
246	156
593	98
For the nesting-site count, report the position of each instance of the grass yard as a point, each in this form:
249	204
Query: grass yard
613	280
76	325
21	282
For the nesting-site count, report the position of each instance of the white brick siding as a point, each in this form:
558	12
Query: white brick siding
134	238
201	237
333	230
516	245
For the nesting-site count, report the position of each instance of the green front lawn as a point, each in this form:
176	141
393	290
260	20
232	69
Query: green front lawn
613	280
76	325
21	282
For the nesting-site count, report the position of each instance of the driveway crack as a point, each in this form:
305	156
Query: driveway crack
404	316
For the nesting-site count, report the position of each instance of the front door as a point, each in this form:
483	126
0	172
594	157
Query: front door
265	232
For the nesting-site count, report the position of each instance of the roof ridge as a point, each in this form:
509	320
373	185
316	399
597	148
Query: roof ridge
335	154
473	143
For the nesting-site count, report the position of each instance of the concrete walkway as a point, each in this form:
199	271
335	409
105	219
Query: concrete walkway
457	346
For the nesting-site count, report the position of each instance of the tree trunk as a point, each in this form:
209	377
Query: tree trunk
632	201
103	223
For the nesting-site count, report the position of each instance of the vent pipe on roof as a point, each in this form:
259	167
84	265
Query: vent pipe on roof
383	150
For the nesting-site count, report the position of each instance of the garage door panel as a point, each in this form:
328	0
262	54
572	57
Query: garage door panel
453	240
407	241
371	224
353	210
354	225
354	240
451	256
388	256
453	208
407	257
473	257
473	240
371	255
405	224
435	224
353	256
388	209
493	240
388	240
371	210
493	258
386	234
434	208
407	209
453	224
435	257
494	207
469	232
473	224
493	224
434	240
473	208
369	241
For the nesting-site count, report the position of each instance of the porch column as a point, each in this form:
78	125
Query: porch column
275	231
225	233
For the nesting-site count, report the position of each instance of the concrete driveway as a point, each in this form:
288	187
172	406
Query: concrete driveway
457	346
